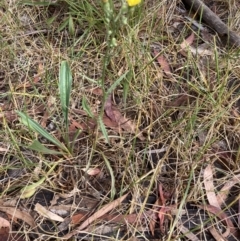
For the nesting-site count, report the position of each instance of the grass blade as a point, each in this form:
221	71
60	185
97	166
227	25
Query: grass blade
65	84
38	146
27	121
86	107
113	189
103	129
116	83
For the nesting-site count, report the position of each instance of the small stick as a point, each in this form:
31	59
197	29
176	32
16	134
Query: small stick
214	21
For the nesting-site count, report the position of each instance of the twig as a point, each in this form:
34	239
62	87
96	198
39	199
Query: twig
214	22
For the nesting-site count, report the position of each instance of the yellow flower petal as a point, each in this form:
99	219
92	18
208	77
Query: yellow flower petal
133	2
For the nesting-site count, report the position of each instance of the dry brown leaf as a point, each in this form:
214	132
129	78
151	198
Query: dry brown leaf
96	91
77	218
50	103
153	216
79	112
223	193
6	235
116	119
187	42
47	214
105	209
39	74
108	109
179	101
92	171
239	212
36	78
15	213
222	216
216	234
163	210
89	125
4	223
2	149
162	61
10	116
201	50
130	218
127	124
209	187
186	232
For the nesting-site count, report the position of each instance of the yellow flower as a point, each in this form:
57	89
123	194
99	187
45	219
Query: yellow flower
133	2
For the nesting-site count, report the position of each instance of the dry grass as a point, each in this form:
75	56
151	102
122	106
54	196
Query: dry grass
192	117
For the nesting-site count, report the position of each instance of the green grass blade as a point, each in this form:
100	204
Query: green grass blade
27	121
29	190
38	146
103	129
116	83
71	27
113	188
65	84
86	107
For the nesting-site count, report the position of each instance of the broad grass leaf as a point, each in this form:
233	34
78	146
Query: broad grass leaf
38	146
27	121
65	85
71	27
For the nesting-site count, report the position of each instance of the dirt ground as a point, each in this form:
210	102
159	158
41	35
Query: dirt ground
119	122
